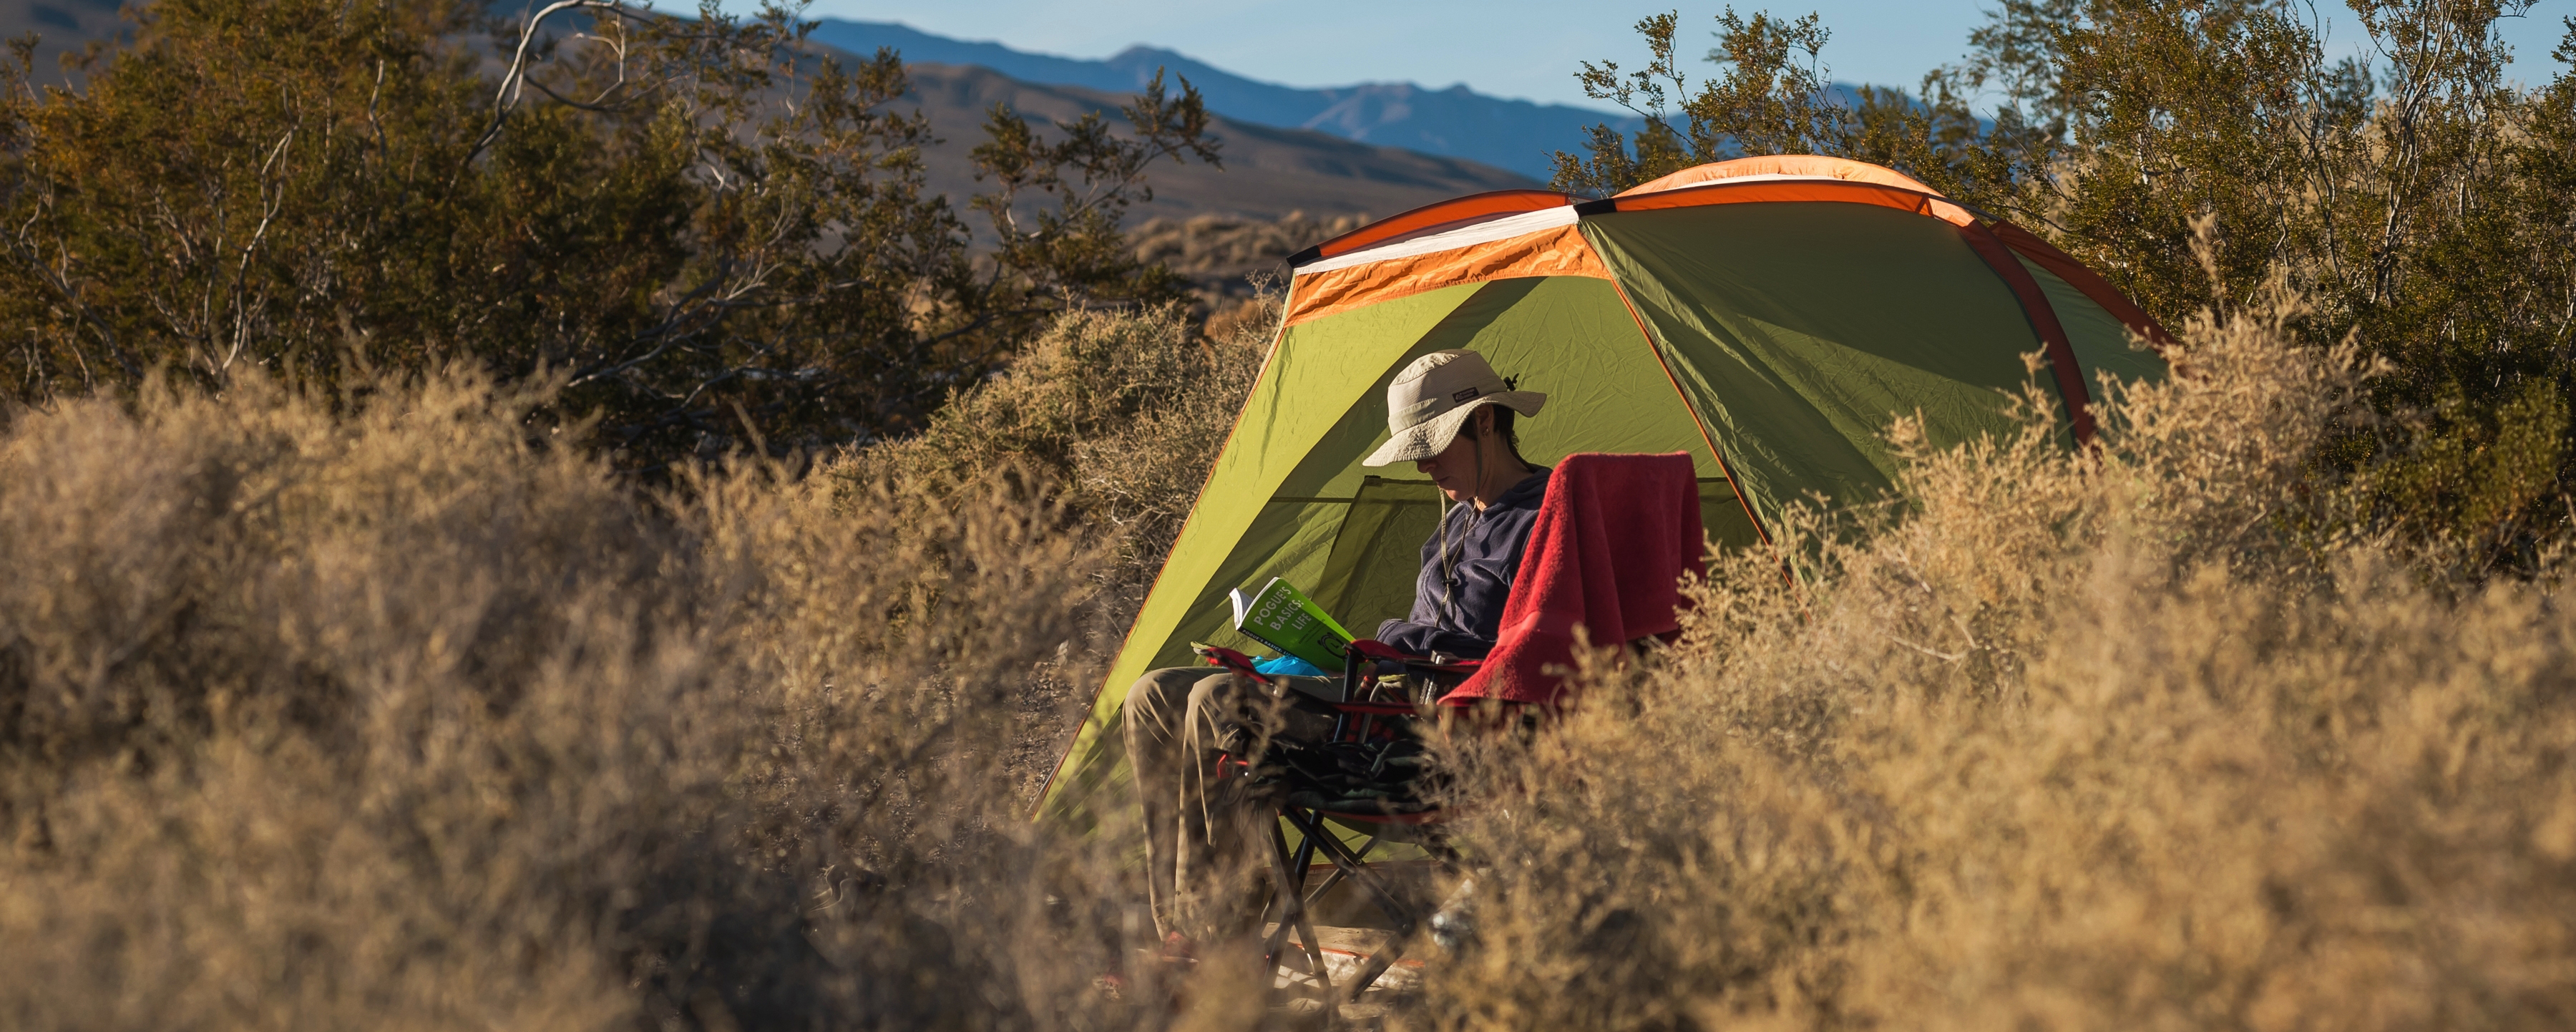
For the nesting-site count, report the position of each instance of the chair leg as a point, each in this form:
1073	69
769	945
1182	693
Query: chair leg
1297	864
1346	862
1277	940
1291	892
1336	877
1302	861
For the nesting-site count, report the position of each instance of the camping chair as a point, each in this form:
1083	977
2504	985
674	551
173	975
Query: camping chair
1569	578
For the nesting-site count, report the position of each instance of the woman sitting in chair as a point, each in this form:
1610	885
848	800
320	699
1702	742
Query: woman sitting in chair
1451	416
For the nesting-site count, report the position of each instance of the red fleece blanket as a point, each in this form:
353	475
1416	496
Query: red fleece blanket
1612	540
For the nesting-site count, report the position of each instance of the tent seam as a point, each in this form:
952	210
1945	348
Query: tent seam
1733	484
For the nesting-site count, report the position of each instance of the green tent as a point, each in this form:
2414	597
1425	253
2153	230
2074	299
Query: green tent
1769	316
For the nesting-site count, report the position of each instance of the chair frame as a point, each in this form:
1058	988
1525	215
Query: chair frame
1291	902
1355	720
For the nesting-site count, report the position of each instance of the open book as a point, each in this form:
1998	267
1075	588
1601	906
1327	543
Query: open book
1283	618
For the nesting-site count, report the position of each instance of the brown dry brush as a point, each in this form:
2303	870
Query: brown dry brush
365	709
369	711
1126	410
389	719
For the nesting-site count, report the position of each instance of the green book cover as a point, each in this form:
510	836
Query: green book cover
1283	618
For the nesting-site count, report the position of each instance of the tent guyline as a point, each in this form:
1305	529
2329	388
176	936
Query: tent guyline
1769	317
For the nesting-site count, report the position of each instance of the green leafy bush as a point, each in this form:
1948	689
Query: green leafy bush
711	236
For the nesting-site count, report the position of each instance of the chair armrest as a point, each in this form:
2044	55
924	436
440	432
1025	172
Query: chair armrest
1375	649
1375	709
1220	656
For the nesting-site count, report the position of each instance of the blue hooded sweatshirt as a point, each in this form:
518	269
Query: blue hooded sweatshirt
1458	605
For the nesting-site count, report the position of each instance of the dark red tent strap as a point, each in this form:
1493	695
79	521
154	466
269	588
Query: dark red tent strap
2043	318
2082	278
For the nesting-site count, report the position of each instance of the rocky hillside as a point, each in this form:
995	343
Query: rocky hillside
1268	173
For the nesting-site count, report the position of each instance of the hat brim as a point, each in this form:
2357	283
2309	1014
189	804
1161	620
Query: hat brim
1433	436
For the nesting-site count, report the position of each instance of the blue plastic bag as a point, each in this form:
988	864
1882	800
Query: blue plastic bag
1289	666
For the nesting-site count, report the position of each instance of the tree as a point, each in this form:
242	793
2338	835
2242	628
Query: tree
2424	206
710	232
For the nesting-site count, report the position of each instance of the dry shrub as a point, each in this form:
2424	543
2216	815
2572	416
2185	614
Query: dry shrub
388	719
1233	264
383	716
1127	410
2111	741
1219	245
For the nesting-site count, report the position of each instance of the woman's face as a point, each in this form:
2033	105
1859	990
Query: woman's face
1454	469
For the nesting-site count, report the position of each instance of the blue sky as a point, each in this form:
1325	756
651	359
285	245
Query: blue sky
1513	48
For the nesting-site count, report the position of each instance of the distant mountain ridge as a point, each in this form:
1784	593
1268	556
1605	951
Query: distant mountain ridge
1457	122
1270	172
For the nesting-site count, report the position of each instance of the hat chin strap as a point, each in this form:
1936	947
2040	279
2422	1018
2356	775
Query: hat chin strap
1448	563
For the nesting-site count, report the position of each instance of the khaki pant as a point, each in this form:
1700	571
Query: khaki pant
1204	865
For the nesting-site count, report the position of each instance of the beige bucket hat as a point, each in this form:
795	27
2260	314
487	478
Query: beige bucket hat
1434	396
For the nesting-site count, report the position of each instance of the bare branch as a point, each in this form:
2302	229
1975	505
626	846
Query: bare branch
506	99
